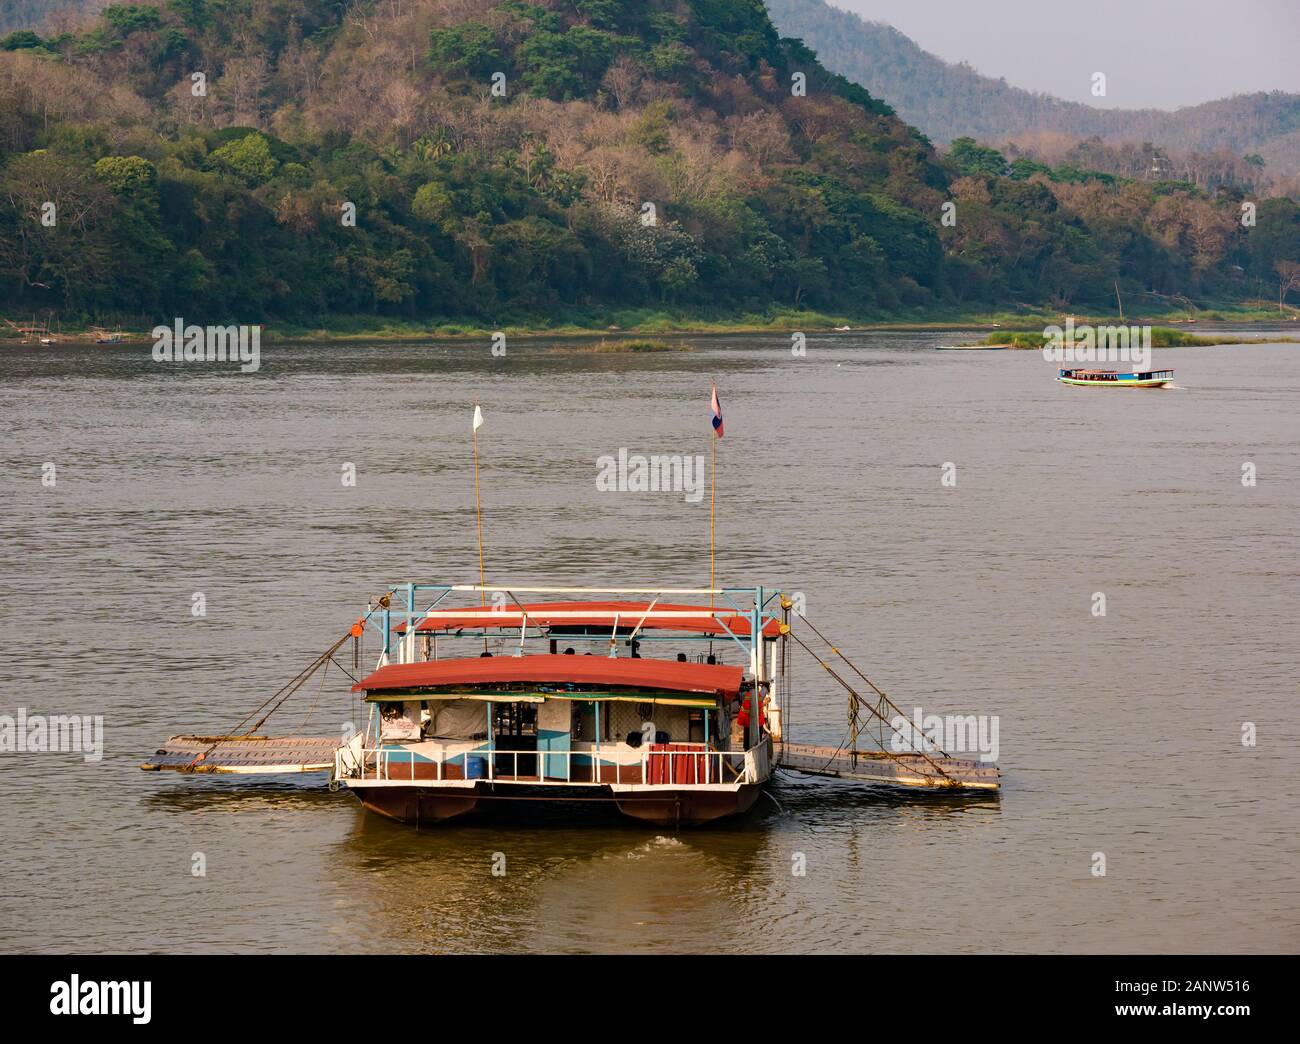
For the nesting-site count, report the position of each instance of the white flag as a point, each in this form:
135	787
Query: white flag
478	418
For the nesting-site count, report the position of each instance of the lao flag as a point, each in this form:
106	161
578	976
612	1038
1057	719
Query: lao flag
717	412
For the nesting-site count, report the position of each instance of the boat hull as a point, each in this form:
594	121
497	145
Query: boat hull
1153	383
418	805
430	805
675	808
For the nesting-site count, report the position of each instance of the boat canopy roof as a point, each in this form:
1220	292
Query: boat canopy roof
559	616
557	669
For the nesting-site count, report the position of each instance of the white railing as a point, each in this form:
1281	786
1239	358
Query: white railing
673	768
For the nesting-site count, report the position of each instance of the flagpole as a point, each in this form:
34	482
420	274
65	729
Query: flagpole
713	510
716	407
478	513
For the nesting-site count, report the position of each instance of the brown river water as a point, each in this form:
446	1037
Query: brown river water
1119	734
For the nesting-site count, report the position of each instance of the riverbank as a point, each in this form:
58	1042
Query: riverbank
643	322
1161	337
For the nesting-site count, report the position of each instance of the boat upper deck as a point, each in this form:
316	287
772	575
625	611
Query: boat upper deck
621	618
558	673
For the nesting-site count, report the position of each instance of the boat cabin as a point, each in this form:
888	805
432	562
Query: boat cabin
550	717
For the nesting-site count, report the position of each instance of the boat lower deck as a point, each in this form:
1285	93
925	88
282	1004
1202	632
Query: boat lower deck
581	764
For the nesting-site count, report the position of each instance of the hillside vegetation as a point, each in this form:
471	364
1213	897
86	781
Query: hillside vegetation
646	155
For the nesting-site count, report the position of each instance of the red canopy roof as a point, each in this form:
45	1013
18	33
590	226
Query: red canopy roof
712	679
596	614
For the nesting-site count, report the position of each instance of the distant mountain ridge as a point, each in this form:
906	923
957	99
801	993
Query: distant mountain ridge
948	101
30	14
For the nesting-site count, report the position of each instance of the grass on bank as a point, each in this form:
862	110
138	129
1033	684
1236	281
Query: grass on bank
1018	324
1161	337
621	347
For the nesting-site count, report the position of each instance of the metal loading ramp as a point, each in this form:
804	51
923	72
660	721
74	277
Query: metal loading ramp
874	766
244	755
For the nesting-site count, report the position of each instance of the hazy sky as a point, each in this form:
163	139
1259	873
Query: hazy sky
1157	53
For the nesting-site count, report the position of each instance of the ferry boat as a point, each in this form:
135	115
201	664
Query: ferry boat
1114	379
555	700
511	700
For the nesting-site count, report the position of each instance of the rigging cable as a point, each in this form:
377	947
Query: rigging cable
294	684
319	689
856	701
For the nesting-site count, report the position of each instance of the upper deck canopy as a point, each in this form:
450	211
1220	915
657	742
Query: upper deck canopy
664	616
554	669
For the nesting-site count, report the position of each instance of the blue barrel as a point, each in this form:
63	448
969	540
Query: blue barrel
475	767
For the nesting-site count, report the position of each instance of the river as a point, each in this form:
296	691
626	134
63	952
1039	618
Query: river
1120	735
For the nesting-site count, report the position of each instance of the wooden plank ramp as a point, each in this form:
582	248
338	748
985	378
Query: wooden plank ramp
873	766
245	755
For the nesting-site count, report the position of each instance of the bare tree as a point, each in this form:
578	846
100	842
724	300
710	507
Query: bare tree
621	80
1288	276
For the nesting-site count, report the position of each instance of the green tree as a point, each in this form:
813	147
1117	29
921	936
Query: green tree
248	158
132	18
193	13
564	65
969	157
434	204
678	276
468	49
651	128
127	175
23	39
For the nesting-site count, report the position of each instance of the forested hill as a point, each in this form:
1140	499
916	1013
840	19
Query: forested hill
949	101
248	160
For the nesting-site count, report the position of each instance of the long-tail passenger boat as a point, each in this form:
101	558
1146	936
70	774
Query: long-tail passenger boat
1116	379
